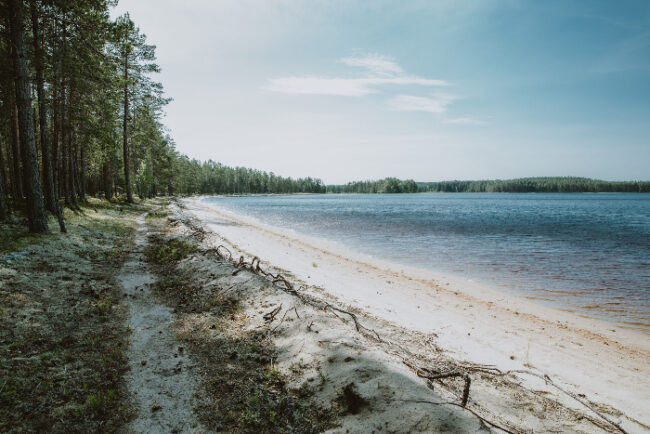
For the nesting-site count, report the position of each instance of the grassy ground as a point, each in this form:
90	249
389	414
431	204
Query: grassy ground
243	390
62	325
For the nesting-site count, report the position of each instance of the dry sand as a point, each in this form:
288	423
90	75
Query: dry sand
602	365
161	377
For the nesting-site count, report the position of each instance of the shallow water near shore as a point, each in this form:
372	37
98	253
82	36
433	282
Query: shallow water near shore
586	253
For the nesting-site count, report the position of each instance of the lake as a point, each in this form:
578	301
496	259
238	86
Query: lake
588	253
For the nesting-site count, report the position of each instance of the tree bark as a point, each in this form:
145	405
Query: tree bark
75	170
127	172
56	135
48	181
70	168
33	189
4	209
16	174
82	173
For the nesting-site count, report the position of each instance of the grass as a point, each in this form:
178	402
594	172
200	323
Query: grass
164	252
63	337
14	238
158	214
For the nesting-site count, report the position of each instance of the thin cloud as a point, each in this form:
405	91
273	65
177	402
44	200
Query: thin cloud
381	71
411	103
319	86
380	65
465	121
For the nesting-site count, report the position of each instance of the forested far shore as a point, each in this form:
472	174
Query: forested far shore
520	185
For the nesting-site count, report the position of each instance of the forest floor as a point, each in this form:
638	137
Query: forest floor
136	322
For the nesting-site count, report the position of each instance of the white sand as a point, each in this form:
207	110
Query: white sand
160	379
607	364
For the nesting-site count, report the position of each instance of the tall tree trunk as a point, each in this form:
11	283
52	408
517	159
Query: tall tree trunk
127	172
48	181
82	173
107	180
56	136
106	174
4	209
69	167
57	97
17	173
35	204
74	155
65	151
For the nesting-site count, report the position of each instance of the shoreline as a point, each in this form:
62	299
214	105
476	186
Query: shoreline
601	361
469	285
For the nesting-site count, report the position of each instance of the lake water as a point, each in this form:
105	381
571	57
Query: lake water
588	253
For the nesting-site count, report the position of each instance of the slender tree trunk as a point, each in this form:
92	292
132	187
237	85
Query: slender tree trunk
48	181
56	122
74	159
127	172
4	209
69	167
16	173
35	204
106	174
56	135
108	183
65	145
82	173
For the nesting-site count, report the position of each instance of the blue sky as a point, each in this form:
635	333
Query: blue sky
430	90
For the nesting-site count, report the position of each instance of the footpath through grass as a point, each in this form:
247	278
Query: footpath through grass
63	334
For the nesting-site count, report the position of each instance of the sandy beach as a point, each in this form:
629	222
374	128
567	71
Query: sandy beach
601	364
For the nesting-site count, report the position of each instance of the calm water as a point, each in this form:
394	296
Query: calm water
585	252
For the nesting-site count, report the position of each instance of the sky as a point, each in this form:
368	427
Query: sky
430	90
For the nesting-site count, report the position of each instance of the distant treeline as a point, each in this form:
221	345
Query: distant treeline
387	185
193	176
521	185
537	185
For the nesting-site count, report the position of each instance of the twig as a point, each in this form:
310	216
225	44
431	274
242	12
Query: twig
269	316
284	316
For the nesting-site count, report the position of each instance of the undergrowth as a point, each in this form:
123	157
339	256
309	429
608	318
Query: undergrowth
164	252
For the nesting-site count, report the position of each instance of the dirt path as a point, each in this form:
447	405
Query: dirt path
161	377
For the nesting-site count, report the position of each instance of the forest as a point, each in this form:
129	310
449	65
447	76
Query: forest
521	185
81	114
387	185
537	185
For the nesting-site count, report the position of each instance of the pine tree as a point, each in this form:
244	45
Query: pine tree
34	192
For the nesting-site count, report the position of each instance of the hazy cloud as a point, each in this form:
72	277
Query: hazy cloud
465	121
380	71
380	65
411	103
